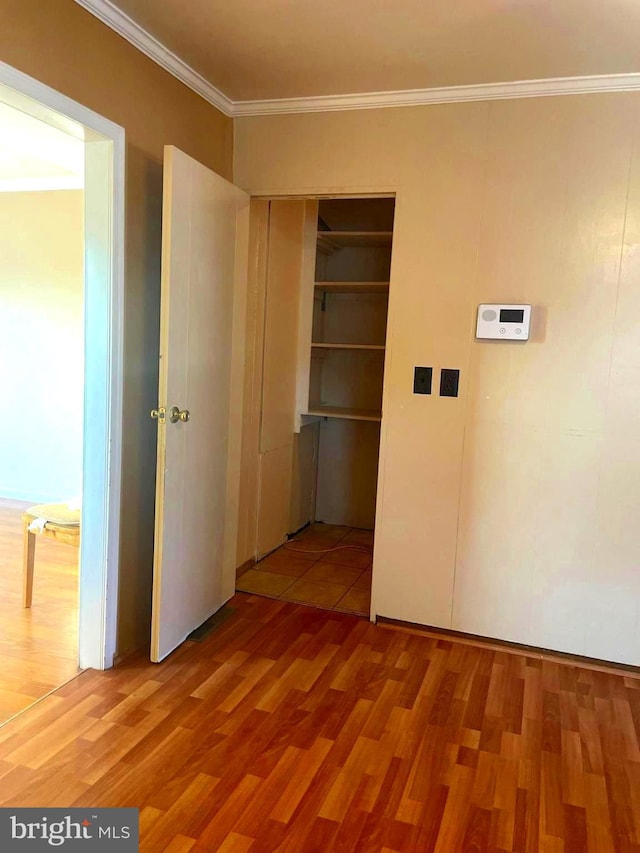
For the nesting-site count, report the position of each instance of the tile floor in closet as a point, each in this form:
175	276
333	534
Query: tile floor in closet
325	566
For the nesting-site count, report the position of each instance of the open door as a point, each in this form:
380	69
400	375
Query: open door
203	304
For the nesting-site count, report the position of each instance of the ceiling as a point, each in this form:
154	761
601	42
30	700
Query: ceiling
36	156
272	49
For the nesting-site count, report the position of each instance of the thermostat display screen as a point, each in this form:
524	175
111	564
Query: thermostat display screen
511	315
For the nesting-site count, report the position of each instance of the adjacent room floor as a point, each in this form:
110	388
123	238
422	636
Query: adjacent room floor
325	566
296	729
39	645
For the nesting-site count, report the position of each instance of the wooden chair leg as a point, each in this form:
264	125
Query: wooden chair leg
29	551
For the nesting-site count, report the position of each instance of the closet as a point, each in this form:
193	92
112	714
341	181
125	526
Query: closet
345	355
317	320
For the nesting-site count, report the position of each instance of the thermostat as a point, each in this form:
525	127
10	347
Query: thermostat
503	322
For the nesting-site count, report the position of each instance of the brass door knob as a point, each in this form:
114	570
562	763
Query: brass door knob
175	415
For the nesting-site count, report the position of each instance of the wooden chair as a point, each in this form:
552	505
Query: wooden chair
61	523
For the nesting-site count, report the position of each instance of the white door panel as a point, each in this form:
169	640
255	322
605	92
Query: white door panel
204	247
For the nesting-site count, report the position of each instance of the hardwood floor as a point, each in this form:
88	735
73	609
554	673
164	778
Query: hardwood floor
39	645
296	729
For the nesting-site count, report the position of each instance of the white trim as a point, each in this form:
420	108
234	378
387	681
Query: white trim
99	598
45	96
151	47
110	15
444	95
116	391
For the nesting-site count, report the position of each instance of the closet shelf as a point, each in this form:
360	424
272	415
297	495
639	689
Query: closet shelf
345	412
352	286
348	346
329	241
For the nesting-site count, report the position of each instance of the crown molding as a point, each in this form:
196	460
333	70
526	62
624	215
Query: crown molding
151	47
110	15
443	95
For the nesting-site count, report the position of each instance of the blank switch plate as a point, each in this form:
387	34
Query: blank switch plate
422	377
449	381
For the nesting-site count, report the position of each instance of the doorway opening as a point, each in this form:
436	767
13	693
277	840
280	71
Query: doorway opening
327	273
41	374
62	294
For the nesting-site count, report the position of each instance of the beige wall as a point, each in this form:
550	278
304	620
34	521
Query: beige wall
41	344
62	45
512	510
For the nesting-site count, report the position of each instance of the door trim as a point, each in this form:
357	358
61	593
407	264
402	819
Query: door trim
104	311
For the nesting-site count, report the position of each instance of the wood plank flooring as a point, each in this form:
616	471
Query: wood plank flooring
39	645
295	729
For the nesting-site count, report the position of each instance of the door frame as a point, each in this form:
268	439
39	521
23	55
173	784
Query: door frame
104	220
